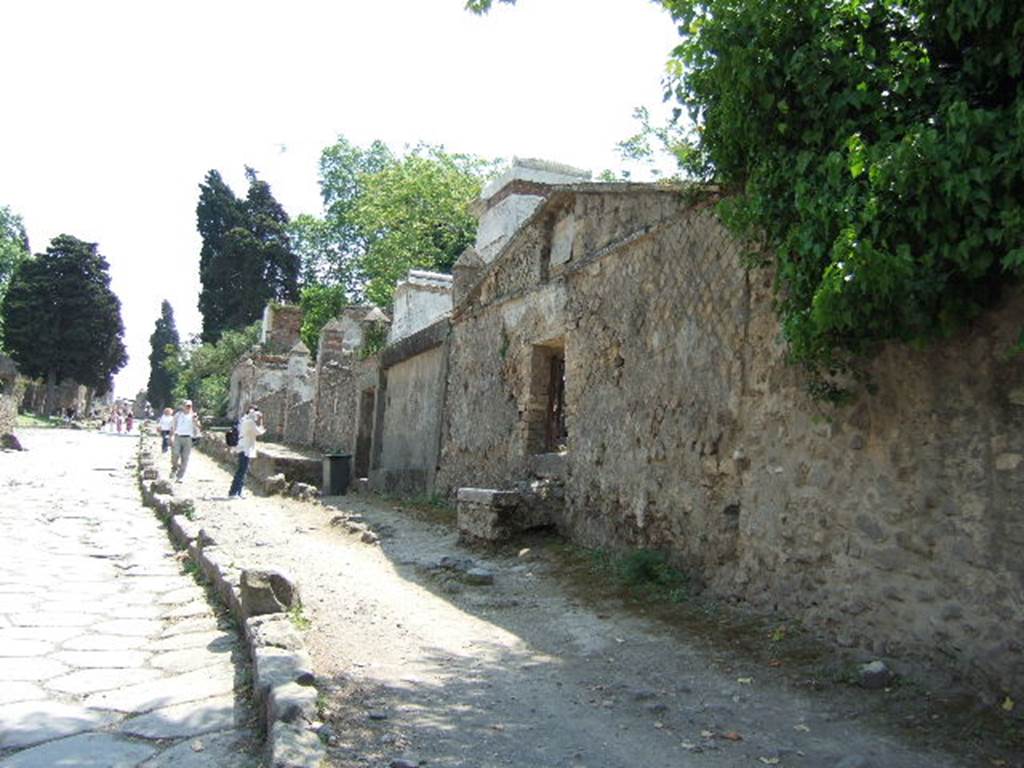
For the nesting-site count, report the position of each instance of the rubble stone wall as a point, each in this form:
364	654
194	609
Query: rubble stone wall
893	523
409	437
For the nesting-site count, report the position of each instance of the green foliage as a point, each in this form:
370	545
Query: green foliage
13	250
385	214
415	212
246	259
61	320
643	570
320	304
876	149
375	339
203	371
483	6
164	343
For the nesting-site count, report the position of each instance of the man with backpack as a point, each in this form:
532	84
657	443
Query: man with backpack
243	441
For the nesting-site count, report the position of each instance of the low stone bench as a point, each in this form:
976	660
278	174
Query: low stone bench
488	515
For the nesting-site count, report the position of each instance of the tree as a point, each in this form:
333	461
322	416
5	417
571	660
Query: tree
246	259
415	212
268	223
218	213
203	371
61	319
874	150
164	345
13	250
385	214
320	303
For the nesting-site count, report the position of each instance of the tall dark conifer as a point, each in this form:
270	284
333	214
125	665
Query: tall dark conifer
246	259
163	342
217	214
61	320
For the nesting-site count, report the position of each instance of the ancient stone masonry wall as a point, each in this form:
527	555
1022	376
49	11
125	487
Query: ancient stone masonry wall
893	523
413	376
12	389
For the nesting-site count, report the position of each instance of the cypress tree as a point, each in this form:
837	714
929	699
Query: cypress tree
164	343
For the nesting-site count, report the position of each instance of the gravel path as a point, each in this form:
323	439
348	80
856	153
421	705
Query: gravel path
419	666
109	654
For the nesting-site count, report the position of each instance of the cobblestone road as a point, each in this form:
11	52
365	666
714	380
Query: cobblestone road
109	654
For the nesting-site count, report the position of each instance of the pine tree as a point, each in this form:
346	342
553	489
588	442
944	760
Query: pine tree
164	344
217	214
246	260
61	320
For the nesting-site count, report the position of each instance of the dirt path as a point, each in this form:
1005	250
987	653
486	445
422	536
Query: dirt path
418	665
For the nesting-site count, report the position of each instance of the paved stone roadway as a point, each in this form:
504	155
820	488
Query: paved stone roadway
109	654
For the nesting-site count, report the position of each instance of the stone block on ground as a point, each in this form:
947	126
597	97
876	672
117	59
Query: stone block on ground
486	515
267	591
275	484
10	442
291	702
274	630
292	746
273	667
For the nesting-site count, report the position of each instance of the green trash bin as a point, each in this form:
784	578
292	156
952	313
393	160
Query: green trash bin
337	474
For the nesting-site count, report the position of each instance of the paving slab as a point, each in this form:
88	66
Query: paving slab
100	642
188	659
109	659
25	648
178	689
86	681
89	750
33	722
38	670
212	639
190	719
233	749
19	691
131	627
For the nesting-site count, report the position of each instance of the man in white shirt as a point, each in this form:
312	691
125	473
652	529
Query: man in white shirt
186	426
250	427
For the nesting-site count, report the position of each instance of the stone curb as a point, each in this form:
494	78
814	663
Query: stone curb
283	676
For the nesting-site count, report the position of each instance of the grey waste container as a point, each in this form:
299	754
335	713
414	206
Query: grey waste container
337	472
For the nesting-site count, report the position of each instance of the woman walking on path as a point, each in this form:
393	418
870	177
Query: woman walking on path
250	427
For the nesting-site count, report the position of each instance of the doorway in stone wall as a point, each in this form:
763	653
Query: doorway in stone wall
546	429
364	433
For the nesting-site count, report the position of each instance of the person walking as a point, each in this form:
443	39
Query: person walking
184	429
250	427
165	426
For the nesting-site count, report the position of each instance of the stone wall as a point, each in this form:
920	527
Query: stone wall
409	414
12	389
891	523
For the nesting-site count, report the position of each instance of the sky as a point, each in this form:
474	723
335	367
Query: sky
115	111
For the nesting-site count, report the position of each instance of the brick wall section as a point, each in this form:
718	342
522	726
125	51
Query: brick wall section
893	523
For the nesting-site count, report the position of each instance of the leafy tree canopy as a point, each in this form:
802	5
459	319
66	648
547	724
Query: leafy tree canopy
164	344
416	213
320	304
203	371
385	214
875	148
61	319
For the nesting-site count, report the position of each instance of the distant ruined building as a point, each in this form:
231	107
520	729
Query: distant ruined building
602	362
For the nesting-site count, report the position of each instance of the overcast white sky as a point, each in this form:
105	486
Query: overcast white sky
114	111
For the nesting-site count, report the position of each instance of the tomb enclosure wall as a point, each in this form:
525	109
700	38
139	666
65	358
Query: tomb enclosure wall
892	523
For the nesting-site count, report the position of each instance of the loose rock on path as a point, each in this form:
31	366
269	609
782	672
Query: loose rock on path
110	655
